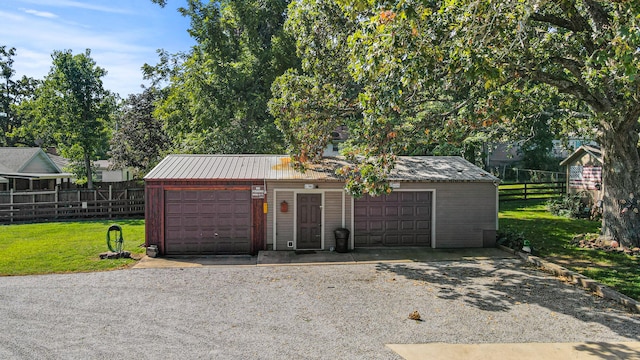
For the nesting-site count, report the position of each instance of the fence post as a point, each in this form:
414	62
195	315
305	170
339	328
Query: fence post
11	202
57	198
110	199
525	191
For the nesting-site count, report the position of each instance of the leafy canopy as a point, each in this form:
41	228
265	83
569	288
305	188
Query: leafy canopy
72	107
442	70
216	98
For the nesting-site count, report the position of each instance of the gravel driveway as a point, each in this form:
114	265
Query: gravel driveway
296	312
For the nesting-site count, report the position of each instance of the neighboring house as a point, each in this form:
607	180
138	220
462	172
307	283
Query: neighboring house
106	173
500	155
29	169
584	172
241	204
338	136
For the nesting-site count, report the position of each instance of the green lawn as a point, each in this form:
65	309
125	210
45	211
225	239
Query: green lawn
64	246
551	236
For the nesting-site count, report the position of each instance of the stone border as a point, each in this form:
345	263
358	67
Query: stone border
578	279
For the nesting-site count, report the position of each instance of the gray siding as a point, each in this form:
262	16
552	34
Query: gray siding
285	227
284	221
332	216
464	212
40	164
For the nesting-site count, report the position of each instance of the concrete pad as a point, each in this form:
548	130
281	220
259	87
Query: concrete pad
195	261
373	255
420	254
529	351
303	257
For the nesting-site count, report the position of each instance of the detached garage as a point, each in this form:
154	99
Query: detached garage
241	204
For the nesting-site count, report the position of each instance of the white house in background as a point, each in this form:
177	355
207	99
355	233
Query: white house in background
338	136
23	169
106	173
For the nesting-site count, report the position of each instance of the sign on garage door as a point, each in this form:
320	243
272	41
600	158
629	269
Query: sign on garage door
402	218
208	222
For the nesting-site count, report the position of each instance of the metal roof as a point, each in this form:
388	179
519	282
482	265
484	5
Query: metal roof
279	167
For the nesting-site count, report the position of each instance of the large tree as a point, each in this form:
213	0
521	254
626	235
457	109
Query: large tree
311	102
217	93
139	140
428	66
12	93
75	109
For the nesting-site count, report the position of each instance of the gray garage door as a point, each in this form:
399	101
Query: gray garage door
402	218
207	222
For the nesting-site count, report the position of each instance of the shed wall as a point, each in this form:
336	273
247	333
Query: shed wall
465	212
279	191
155	191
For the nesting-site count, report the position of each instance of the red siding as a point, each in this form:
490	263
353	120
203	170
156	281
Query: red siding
155	205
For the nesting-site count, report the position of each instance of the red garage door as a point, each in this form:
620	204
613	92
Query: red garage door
207	222
402	218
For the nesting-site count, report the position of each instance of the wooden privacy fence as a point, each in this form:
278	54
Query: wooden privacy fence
530	191
37	206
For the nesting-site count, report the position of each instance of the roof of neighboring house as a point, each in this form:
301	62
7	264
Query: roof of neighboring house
28	162
60	161
3	180
592	150
14	159
279	167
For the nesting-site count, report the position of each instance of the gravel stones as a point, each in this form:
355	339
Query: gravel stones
312	312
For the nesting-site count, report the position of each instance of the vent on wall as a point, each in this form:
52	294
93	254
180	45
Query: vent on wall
290	244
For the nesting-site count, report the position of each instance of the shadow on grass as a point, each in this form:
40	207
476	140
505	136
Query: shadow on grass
499	286
552	238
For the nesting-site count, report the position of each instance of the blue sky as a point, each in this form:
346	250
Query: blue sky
123	35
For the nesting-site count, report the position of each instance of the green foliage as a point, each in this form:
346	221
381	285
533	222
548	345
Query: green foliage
64	247
571	206
511	239
552	237
445	71
216	100
73	109
12	94
139	140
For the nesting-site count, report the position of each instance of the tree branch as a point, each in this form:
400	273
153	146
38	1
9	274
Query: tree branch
558	21
598	15
571	88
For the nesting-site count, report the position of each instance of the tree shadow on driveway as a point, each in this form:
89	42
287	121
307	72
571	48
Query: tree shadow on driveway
500	285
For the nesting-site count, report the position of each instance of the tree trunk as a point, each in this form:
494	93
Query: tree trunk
87	165
620	180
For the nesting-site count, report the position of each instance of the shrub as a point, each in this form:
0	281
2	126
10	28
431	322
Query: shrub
510	239
571	206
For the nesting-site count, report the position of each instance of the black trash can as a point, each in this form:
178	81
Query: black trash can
342	240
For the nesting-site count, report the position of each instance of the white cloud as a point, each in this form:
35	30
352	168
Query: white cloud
8	16
43	14
120	44
78	5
